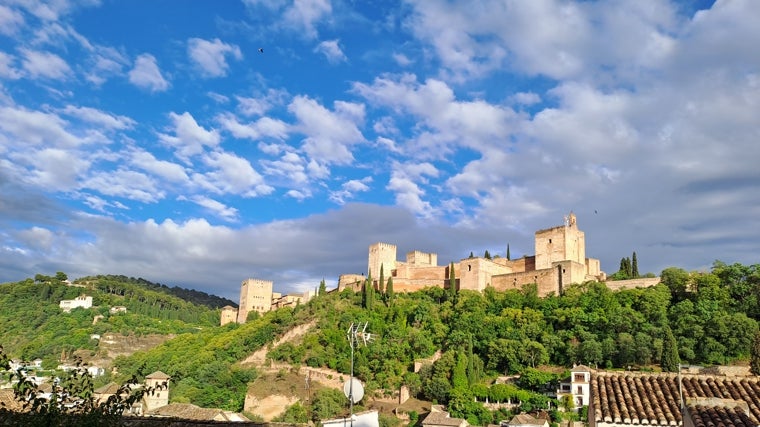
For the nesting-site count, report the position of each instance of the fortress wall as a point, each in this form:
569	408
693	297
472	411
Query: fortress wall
643	282
475	273
428	273
593	267
403	286
350	280
526	263
546	280
418	258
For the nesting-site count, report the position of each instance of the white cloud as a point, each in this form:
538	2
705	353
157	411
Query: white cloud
263	127
7	68
349	189
402	59
147	75
231	174
217	208
97	117
10	20
189	137
54	168
304	15
124	183
36	128
45	65
106	62
332	51
211	56
162	168
405	182
525	98
329	135
290	167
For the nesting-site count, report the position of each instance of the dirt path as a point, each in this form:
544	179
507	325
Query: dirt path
260	356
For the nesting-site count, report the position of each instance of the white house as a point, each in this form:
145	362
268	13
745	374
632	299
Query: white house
578	386
82	301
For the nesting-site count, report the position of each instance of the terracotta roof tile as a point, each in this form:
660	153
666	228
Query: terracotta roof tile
645	398
708	416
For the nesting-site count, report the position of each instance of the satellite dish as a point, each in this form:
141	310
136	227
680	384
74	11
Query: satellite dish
358	389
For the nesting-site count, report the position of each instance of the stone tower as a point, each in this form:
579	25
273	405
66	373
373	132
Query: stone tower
159	383
563	243
228	315
255	295
381	254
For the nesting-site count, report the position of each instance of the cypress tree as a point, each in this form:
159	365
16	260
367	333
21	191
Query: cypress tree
322	287
452	284
634	266
472	255
670	358
389	291
754	358
381	282
487	255
509	258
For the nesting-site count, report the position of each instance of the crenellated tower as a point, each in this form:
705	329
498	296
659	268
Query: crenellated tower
381	254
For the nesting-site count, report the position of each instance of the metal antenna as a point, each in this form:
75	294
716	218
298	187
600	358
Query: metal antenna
353	334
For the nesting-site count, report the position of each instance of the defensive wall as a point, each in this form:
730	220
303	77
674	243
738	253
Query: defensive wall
642	282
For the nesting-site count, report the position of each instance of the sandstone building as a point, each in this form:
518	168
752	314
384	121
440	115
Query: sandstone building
258	295
559	260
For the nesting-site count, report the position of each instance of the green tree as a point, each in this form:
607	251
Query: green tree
381	281
508	255
452	284
670	358
295	414
754	360
327	403
322	287
634	266
487	255
389	292
472	255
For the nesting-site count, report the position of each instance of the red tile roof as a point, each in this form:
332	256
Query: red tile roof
645	398
708	416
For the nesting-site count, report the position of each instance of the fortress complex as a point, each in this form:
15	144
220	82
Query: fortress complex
560	260
258	295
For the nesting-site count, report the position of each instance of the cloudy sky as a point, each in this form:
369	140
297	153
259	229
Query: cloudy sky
200	143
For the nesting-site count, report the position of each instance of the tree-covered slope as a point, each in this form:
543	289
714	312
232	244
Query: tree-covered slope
695	317
32	325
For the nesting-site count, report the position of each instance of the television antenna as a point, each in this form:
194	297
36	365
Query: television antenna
353	388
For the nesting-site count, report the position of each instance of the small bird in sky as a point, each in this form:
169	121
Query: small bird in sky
595	211
261	50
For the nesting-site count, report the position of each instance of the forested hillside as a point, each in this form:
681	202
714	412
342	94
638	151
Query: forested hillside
32	325
692	317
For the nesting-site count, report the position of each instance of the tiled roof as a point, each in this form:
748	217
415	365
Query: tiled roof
110	388
441	419
189	411
158	375
708	416
635	398
526	419
8	400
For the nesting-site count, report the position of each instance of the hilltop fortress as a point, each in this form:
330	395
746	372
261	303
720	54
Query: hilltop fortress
560	260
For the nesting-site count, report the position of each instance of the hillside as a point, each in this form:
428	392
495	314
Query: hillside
702	318
32	325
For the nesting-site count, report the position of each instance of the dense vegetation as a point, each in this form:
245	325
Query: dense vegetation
32	324
691	317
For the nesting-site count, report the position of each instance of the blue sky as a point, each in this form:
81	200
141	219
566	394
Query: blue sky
153	139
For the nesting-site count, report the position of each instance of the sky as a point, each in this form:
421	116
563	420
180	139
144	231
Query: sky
199	143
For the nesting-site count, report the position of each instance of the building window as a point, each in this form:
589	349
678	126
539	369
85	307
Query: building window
579	378
579	390
469	267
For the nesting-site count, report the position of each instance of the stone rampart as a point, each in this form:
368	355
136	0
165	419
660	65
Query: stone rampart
643	282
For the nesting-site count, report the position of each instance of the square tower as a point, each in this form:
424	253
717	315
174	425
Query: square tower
381	254
255	295
563	243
